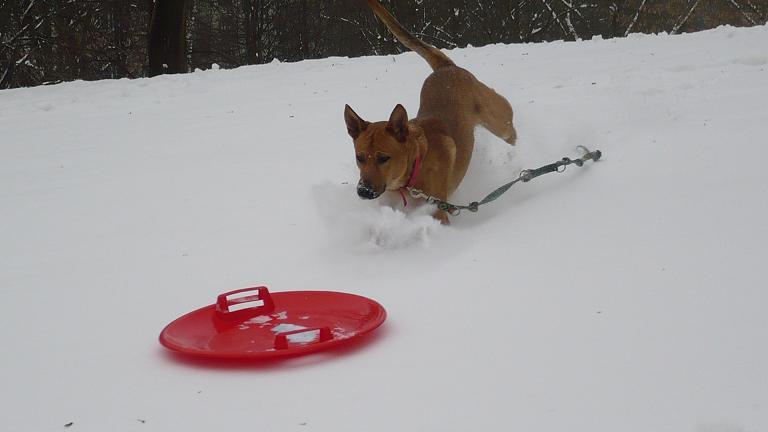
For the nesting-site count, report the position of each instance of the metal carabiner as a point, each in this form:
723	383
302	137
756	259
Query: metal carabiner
417	193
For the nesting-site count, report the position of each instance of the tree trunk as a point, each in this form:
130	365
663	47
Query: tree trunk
120	26
304	30
167	42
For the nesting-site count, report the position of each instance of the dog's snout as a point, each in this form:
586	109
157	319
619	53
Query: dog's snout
366	191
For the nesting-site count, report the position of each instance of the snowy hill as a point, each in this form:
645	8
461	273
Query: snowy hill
628	295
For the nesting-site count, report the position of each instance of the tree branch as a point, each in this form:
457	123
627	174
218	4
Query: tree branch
634	20
554	16
746	16
680	23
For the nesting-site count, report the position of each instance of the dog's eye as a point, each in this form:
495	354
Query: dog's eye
381	159
361	158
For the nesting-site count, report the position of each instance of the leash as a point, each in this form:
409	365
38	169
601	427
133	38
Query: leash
525	176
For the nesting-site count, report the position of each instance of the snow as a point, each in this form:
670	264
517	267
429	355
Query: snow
297	338
261	319
627	295
283	328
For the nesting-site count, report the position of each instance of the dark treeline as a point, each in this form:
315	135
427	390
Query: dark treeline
48	41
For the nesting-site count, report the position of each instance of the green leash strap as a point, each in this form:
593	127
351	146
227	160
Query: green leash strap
525	176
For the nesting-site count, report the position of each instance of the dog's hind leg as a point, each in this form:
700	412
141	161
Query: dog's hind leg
495	113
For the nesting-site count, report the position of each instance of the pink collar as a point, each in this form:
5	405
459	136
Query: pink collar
411	180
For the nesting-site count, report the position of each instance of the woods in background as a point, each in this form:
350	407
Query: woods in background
49	41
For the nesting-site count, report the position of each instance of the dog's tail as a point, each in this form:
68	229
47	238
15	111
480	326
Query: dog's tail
432	55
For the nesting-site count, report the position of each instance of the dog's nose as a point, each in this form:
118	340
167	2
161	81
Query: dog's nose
366	191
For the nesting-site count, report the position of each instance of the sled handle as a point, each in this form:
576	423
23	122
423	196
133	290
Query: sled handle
324	335
244	303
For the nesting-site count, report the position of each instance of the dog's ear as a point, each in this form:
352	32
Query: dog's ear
355	124
398	123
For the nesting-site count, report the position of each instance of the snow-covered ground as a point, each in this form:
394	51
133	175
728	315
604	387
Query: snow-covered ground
628	295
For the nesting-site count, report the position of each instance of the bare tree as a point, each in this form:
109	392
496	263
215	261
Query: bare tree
48	41
683	19
167	38
741	10
634	19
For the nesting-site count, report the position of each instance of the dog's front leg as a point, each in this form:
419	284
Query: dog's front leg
442	216
440	191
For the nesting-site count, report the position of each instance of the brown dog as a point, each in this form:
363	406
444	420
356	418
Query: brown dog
432	151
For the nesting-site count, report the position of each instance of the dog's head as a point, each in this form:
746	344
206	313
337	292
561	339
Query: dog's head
382	151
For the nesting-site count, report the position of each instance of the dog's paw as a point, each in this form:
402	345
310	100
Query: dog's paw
441	216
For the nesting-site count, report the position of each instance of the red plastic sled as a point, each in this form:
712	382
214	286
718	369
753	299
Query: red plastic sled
251	323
